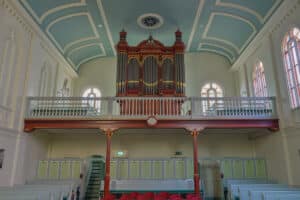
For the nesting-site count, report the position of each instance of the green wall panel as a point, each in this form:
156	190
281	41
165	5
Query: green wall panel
123	169
113	169
227	168
157	169
179	169
42	169
65	171
190	168
249	168
261	168
76	169
54	169
146	169
169	169
238	169
134	169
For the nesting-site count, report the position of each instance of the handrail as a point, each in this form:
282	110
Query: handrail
143	107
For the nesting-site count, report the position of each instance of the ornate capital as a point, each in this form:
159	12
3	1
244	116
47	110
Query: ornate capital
108	131
196	131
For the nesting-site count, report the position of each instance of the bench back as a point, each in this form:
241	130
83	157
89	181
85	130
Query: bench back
259	195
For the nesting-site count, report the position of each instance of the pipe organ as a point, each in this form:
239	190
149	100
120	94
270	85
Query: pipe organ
150	69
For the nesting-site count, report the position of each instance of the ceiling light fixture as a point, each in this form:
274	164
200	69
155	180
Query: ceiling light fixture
150	21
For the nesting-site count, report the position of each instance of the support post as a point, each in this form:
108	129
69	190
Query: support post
108	134
195	134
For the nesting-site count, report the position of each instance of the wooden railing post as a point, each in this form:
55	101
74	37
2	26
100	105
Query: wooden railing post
193	108
110	102
273	106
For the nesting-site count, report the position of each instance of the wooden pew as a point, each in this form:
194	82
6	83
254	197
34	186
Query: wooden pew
243	190
260	195
30	195
282	196
57	191
232	185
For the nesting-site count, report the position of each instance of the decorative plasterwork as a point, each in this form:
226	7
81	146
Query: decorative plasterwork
54	14
230	55
206	36
12	11
89	58
102	12
195	19
64	49
51	11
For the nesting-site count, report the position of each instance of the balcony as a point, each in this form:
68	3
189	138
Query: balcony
170	112
142	107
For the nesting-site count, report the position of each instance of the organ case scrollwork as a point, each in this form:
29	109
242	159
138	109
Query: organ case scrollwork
150	69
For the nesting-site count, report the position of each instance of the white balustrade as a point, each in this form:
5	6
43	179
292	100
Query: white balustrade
143	107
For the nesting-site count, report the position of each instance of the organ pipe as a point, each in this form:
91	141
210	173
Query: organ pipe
150	68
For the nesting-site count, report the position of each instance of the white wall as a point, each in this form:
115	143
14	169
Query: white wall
200	69
57	72
98	73
8	143
150	143
281	148
204	67
19	77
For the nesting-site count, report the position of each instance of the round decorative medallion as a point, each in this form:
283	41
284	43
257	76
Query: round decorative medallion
150	21
151	121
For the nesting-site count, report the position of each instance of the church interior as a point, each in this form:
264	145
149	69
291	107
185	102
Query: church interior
149	100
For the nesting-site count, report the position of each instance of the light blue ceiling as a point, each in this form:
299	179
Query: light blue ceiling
86	29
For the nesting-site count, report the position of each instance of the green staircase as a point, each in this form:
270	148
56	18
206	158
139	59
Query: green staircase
96	174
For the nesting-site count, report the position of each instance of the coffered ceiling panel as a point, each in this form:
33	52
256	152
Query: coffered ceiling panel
86	29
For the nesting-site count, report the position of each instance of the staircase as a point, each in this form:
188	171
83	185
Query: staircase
96	174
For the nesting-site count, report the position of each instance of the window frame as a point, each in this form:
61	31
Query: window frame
259	82
89	93
209	103
292	65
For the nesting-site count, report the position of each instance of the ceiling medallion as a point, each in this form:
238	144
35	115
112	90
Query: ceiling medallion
150	21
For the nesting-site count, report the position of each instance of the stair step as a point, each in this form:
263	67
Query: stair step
97	169
93	188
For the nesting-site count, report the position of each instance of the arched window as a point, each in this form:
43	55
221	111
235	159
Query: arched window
211	90
90	94
291	57
259	81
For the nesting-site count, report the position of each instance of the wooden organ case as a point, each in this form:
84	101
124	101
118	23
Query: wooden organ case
150	69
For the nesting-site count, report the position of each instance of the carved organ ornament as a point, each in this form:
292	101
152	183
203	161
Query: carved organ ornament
150	68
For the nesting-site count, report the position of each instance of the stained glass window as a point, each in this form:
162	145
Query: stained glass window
211	90
91	94
291	57
259	81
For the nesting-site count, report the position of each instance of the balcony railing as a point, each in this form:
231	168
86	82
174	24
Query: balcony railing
106	108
